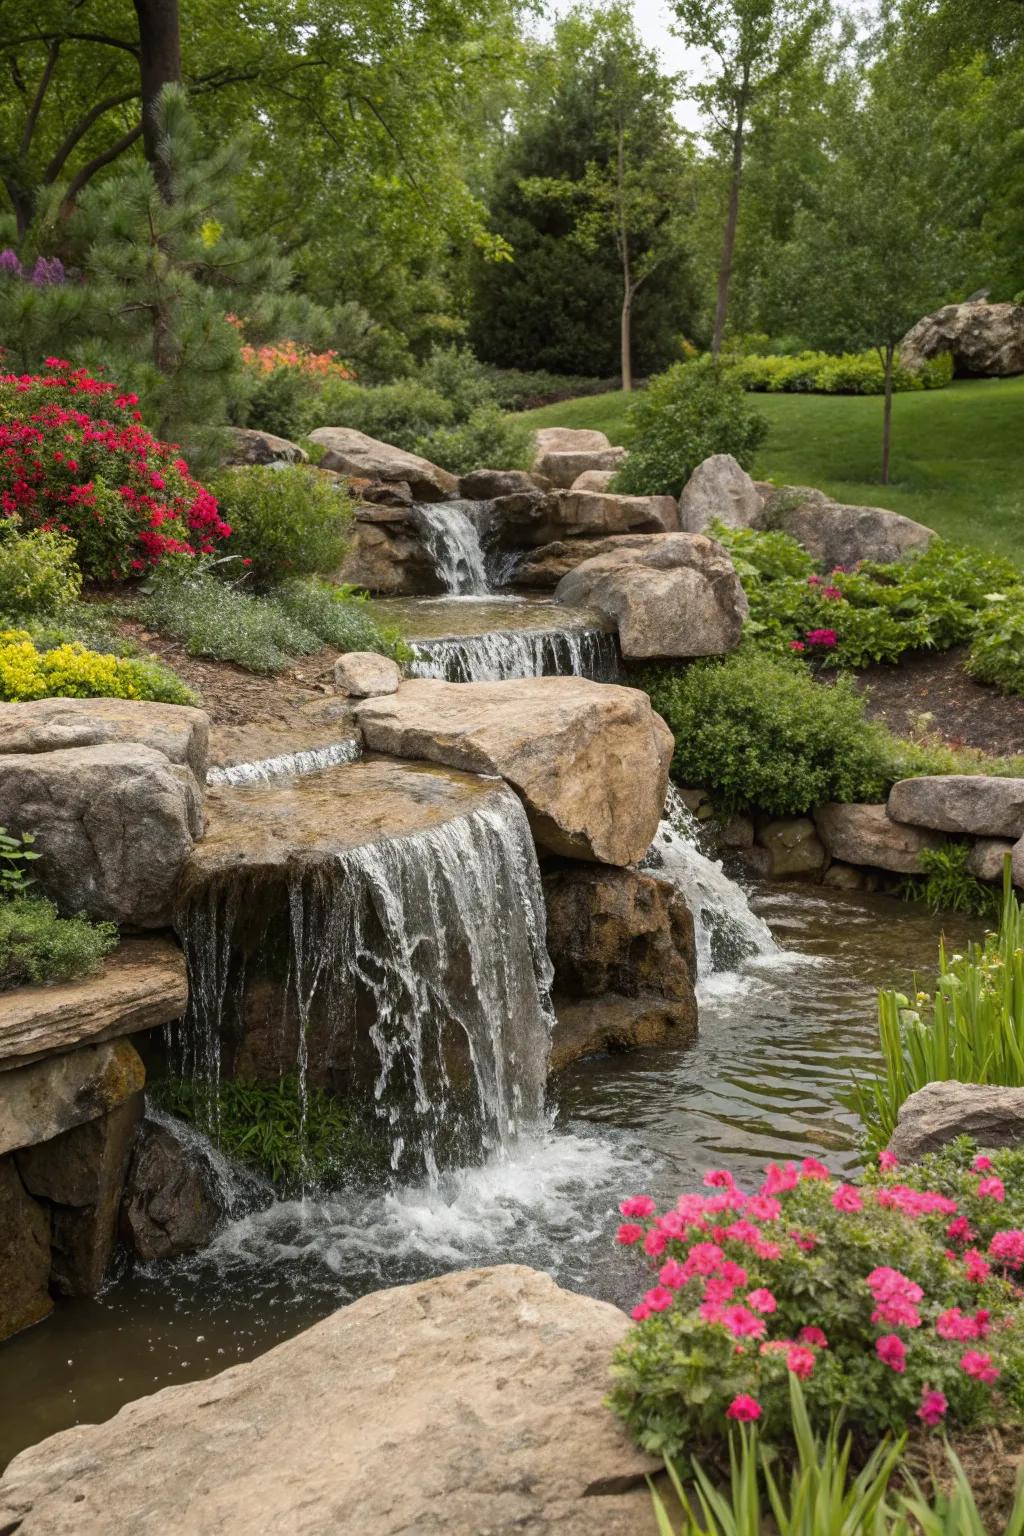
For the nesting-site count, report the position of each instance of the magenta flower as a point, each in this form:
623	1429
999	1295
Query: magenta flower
1008	1248
744	1409
655	1243
810	1168
800	1361
992	1189
832	593
719	1178
640	1312
892	1352
742	1323
813	1336
888	1160
673	1275
982	1164
629	1233
933	1406
762	1300
979	1366
978	1269
846	1198
638	1205
797	645
827	639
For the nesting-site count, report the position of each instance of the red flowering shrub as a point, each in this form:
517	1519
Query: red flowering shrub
75	458
893	1304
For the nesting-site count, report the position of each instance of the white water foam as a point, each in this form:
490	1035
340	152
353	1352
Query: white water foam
287	764
452	536
501	654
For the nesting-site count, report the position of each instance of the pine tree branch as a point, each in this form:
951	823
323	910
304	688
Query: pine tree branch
81	128
97	163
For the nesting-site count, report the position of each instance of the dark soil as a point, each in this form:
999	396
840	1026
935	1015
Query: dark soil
934	685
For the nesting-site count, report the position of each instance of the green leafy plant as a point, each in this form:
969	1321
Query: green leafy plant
38	573
31	670
946	884
340	616
488	438
997	652
289	521
957	1514
970	1030
848	373
38	945
15	853
292	1136
685	415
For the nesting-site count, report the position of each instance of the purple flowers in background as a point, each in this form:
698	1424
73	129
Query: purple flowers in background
47	272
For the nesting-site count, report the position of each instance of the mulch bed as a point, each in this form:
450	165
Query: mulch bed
933	684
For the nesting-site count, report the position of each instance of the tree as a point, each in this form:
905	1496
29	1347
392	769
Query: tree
591	192
872	252
756	45
634	193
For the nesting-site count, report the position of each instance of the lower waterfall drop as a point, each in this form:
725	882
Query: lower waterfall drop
409	973
502	654
452	537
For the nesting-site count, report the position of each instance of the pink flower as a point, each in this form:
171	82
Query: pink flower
744	1409
659	1298
629	1233
779	1180
672	1224
763	1208
800	1361
959	1230
982	1164
826	638
892	1352
768	1250
888	1160
814	1336
810	1168
955	1324
805	1241
719	1178
743	1232
832	593
1008	1248
979	1366
638	1205
640	1312
797	645
733	1274
741	1323
846	1198
992	1189
933	1406
978	1269
718	1289
654	1243
673	1275
762	1300
704	1259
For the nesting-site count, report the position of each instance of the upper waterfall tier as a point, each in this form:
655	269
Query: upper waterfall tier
451	531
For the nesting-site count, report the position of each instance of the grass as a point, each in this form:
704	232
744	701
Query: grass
958	453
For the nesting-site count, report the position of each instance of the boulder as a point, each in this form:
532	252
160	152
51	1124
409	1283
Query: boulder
847	877
593	480
381	493
169	1206
597	1026
81	1175
539	519
115	825
545	567
940	1112
564	467
362	674
353	453
569	440
466	1404
41	1101
182	734
979	804
386	555
678	595
248	445
985	860
795	851
589	760
838	535
617	930
865	834
142	986
985	339
487	484
24	1255
719	490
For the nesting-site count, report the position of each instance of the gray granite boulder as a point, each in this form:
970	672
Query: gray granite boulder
979	804
986	339
940	1112
865	834
720	490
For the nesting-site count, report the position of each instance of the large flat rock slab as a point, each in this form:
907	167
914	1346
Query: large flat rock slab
980	804
142	986
49	1097
466	1405
50	725
354	453
588	760
866	834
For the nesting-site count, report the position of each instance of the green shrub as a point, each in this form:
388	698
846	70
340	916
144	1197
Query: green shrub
997	651
282	401
38	572
946	885
341	617
291	1137
456	375
37	944
851	373
401	413
285	522
487	440
69	670
693	410
887	1310
518	390
760	733
971	1029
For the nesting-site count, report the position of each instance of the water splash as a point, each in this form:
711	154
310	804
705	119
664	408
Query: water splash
727	931
287	764
451	534
409	972
502	654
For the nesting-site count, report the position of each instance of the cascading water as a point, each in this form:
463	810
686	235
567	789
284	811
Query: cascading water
452	536
287	764
727	930
502	654
409	971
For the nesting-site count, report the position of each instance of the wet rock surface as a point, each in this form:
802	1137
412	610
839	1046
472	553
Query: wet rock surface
24	1255
469	1403
169	1206
48	1097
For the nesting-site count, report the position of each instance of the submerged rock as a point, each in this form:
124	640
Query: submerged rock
676	595
720	491
985	339
466	1404
940	1112
354	453
594	1026
589	760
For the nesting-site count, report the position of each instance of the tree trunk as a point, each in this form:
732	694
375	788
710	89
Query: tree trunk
159	65
890	351
626	324
731	220
627	339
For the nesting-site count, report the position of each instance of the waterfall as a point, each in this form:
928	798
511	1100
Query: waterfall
287	764
452	536
409	973
727	930
501	654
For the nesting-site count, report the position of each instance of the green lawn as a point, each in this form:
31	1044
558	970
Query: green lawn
957	463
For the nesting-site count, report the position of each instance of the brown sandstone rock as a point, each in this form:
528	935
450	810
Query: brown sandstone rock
537	519
48	1097
980	804
488	484
589	760
569	440
353	453
250	446
386	555
794	848
593	480
48	725
617	930
467	1404
593	1026
24	1255
835	534
362	674
985	860
720	491
864	834
565	466
676	596
546	565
